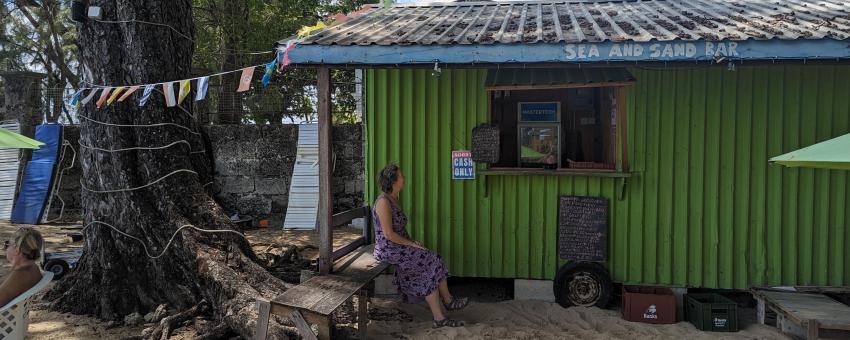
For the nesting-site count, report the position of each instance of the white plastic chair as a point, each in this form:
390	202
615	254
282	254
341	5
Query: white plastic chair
14	316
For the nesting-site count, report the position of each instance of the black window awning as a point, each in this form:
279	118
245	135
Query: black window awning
556	78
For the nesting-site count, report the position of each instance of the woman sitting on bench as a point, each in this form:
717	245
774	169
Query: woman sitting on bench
419	271
22	252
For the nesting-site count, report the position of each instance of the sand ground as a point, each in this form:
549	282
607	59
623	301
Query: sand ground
542	320
531	320
391	319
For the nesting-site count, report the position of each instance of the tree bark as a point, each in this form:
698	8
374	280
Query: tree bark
115	276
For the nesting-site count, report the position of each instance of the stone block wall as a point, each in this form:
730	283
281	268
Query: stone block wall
348	176
253	168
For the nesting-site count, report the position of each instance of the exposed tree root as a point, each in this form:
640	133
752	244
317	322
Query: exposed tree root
219	331
167	325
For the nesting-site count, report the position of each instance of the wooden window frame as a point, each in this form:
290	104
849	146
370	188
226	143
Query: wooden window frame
620	139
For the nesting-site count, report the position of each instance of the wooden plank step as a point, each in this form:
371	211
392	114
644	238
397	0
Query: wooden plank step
324	294
320	294
360	264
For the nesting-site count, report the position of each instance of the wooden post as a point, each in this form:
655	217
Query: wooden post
812	330
363	312
367	224
326	329
303	328
263	308
325	192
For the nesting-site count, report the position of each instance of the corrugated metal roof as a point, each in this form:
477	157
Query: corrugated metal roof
589	21
558	77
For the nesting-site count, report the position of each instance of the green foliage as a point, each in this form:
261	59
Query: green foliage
227	31
39	36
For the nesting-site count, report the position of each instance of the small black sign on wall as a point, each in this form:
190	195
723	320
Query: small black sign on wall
583	228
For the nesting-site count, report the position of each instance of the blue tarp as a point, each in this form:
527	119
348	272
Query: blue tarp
38	176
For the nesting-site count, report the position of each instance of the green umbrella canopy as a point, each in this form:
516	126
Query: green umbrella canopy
11	140
831	154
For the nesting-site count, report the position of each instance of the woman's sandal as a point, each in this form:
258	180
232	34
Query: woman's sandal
457	303
448	323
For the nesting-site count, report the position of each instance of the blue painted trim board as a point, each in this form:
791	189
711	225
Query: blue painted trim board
576	53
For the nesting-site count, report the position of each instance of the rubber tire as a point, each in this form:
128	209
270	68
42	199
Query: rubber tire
57	264
595	271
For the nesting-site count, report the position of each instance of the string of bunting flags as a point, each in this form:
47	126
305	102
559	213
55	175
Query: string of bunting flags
107	95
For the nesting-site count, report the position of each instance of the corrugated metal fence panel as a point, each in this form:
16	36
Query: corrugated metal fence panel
703	208
9	163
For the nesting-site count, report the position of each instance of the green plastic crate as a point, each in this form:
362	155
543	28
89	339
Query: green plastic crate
711	312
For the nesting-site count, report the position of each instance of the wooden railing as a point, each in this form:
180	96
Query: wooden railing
346	217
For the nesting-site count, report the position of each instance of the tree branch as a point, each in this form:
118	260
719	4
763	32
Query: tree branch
52	48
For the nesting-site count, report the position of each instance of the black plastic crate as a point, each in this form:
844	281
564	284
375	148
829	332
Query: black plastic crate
711	312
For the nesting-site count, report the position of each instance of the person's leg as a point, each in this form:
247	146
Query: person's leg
444	292
433	300
451	302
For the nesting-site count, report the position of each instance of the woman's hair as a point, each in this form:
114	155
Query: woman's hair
387	177
29	242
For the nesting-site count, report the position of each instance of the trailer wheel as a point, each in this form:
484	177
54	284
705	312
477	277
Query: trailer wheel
583	284
58	267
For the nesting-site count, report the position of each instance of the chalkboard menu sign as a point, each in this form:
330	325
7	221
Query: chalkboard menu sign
582	228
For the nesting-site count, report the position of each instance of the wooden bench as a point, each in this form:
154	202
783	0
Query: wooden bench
802	314
313	301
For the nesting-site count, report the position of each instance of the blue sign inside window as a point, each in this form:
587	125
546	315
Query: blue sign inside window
539	112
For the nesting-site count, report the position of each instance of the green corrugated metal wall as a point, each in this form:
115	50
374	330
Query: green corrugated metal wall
702	209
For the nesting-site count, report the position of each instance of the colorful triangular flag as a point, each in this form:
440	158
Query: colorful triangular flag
290	45
185	88
146	94
168	92
245	79
128	93
114	95
103	96
203	83
267	76
89	97
75	99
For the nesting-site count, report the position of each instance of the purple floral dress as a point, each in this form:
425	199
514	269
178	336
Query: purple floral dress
418	272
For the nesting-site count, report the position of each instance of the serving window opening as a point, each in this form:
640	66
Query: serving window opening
570	128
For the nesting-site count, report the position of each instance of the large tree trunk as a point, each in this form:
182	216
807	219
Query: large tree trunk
115	276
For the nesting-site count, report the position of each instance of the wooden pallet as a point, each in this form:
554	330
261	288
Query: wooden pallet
802	314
